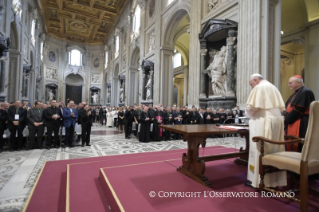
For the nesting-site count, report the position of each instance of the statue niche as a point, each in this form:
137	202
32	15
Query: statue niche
147	82
218	64
51	91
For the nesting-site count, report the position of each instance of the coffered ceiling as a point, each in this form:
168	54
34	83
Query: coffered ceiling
85	21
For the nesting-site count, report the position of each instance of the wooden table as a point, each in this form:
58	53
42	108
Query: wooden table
193	166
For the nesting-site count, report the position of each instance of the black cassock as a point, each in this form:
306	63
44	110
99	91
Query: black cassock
145	128
297	110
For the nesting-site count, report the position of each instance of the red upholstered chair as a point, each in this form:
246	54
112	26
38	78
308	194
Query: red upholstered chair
304	163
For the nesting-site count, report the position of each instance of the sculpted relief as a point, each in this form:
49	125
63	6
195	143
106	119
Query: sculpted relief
51	73
217	70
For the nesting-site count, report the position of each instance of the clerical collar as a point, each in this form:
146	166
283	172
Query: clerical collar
298	89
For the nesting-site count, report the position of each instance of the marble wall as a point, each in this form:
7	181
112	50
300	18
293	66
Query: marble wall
162	23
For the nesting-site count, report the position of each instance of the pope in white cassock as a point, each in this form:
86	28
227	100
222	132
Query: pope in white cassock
264	106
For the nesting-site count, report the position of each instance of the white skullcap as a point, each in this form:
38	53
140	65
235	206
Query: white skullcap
256	76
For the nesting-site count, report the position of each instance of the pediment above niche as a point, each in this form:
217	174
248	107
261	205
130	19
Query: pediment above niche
74	70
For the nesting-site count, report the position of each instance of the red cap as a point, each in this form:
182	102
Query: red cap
297	76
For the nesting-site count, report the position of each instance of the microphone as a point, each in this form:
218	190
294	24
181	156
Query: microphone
228	119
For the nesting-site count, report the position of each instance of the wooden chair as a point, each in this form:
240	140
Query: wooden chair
304	163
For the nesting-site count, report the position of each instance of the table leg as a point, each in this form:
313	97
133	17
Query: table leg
243	160
194	167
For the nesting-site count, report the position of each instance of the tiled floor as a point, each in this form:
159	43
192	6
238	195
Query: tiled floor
19	170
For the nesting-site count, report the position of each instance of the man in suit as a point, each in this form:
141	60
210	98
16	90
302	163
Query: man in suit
16	122
186	116
194	116
70	114
208	116
3	126
127	122
200	117
35	123
52	117
86	121
239	112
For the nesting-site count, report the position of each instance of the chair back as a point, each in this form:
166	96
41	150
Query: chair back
311	146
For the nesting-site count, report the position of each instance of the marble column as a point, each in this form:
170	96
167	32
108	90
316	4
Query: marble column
230	91
143	86
4	49
203	76
151	76
185	99
258	43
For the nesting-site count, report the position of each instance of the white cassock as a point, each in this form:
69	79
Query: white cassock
264	106
110	121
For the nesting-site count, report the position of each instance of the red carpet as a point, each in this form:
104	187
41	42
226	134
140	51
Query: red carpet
81	175
141	179
132	182
49	192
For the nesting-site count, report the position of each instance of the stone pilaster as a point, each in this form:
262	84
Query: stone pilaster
203	76
230	90
253	43
152	81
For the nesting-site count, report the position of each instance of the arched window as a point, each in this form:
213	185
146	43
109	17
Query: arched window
117	45
75	58
33	31
106	59
177	59
137	20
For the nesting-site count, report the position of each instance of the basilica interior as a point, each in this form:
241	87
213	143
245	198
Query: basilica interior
132	52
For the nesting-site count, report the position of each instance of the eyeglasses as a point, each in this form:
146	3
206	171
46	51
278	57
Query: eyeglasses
289	83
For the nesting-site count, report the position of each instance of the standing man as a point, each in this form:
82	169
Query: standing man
3	126
16	122
239	112
200	117
168	120
145	126
186	116
264	106
297	110
35	123
127	122
70	114
208	116
52	117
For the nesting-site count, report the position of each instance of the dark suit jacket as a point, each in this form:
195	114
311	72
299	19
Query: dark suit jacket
3	119
79	111
48	113
127	116
239	113
68	119
85	119
200	119
194	117
34	116
22	117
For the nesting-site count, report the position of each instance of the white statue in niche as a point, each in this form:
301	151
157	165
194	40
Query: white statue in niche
50	95
148	88
95	98
217	70
122	93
